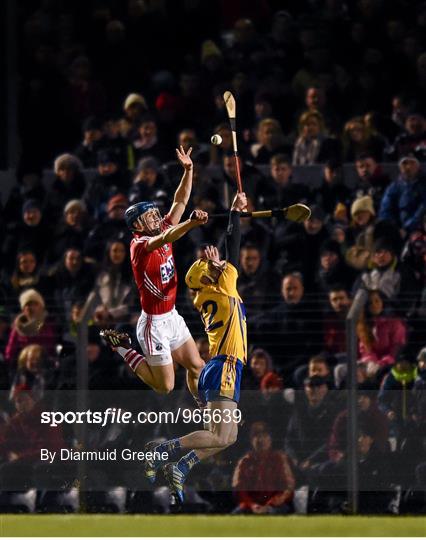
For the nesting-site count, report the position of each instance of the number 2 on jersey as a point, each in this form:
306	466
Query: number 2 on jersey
211	324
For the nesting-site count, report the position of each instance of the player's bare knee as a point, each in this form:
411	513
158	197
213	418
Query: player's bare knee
165	387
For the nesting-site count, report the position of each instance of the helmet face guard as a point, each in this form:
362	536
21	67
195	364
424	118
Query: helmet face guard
138	213
193	277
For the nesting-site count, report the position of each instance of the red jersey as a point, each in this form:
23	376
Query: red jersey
154	273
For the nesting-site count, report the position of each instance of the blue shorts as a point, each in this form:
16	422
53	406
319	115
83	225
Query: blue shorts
220	379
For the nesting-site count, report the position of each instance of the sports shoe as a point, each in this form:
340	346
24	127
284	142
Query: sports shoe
115	339
152	465
176	479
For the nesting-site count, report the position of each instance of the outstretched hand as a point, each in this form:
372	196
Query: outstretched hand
185	158
211	253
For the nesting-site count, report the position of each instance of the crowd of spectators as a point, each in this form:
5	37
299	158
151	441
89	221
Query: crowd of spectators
322	83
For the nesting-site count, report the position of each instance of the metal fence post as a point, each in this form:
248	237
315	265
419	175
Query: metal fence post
83	385
352	357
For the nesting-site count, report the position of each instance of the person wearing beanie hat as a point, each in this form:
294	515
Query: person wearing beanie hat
361	205
31	326
69	184
75	205
133	104
134	108
31	204
404	201
66	162
362	229
31	296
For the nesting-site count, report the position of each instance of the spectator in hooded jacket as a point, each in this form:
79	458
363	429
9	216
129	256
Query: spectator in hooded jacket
404	201
263	480
69	184
31	326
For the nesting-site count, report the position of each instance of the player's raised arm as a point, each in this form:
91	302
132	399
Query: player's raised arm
233	233
183	191
170	235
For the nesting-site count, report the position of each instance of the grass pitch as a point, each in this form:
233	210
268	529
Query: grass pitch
197	525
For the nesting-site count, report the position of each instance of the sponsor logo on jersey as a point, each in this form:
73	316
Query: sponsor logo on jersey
167	270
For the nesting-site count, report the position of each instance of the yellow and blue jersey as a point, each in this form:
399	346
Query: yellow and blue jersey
223	314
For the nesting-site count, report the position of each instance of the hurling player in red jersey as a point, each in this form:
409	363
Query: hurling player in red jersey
162	333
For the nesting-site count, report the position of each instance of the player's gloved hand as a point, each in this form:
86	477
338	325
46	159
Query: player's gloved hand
240	202
199	216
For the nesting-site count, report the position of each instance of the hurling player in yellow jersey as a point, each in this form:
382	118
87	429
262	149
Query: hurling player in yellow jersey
215	284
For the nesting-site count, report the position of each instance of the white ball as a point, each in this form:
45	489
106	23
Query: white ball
216	139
